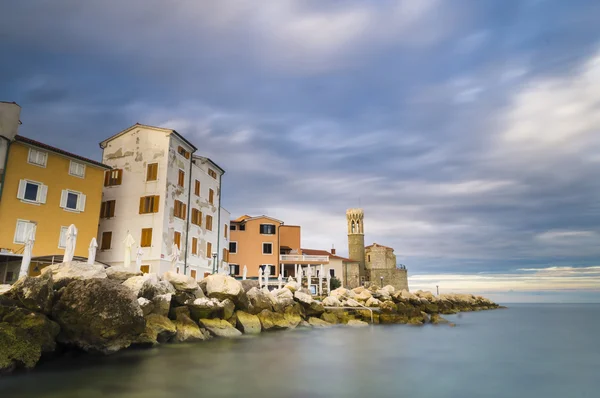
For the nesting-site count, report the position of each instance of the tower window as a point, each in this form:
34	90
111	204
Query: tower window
353	226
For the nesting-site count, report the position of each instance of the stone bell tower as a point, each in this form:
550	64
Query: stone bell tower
356	237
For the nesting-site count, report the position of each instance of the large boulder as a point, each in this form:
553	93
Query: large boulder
121	273
24	337
357	323
248	284
372	302
187	330
318	323
162	304
352	303
389	289
228	308
312	307
219	328
388	306
284	297
363	296
5	288
152	287
146	305
342	294
248	323
34	293
270	320
98	315
223	287
205	308
181	282
65	273
136	283
331	302
159	328
258	301
336	316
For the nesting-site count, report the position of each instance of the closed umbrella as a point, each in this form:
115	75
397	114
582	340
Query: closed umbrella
29	241
92	252
128	242
71	243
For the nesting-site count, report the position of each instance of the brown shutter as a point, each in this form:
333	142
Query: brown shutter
194	245
106	177
113	204
184	215
103	210
156	202
208	250
142	205
211	195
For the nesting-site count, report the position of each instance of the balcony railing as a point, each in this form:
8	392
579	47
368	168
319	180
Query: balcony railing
302	259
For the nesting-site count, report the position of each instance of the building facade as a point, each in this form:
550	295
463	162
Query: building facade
162	193
342	268
46	189
9	127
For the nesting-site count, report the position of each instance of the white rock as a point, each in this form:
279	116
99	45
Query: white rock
303	298
359	290
363	296
373	302
4	288
135	283
389	289
146	305
292	286
121	273
357	323
64	273
222	287
181	282
352	303
340	293
331	302
283	296
162	304
407	295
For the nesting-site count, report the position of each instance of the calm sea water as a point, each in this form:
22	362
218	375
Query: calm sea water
525	351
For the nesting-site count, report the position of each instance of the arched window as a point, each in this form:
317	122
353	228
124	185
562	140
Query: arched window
358	227
352	226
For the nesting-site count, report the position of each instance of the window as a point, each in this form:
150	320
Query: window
197	217
180	210
225	255
211	196
106	240
152	172
107	209
233	247
113	177
181	178
212	173
145	269
195	246
62	240
209	223
146	240
23	230
225	231
233	227
73	201
32	191
369	258
9	276
197	188
208	249
267	248
149	204
77	169
37	158
272	269
234	269
267	229
193	273
242	227
177	239
332	272
183	152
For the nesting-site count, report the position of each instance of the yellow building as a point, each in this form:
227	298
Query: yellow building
48	189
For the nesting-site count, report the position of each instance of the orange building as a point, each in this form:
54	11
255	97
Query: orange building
262	241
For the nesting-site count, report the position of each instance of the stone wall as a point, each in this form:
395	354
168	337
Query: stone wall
380	257
356	250
395	277
351	275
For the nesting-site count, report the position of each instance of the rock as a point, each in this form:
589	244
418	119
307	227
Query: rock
373	302
182	298
357	323
249	284
248	323
146	305
291	286
389	289
318	323
24	337
219	327
363	296
406	295
223	287
152	287
205	308
336	316
34	293
228	308
342	294
331	302
98	315
388	306
65	273
121	274
259	301
426	318
160	328
181	282
436	319
5	288
284	296
352	303
359	290
136	283
275	321
187	330
424	301
303	298
162	304
312	307
426	295
382	295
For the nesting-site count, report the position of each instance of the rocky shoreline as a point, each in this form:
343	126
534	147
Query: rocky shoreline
83	307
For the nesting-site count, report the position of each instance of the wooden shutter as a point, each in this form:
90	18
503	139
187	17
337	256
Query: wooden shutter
43	193
208	250
197	188
103	210
112	205
21	191
155	205
119	176
195	246
106	240
106	177
146	240
211	196
63	198
184	212
225	229
177	239
193	273
142	199
181	179
81	202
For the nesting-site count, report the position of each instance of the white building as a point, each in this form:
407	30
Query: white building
160	192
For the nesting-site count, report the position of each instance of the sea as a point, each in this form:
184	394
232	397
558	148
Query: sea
526	350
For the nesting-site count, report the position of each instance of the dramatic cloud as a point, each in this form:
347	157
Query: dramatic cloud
469	131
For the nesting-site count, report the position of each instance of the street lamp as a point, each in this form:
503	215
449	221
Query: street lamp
381	281
438	289
214	262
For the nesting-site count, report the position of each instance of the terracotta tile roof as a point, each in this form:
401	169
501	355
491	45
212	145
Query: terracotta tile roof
242	218
316	252
38	144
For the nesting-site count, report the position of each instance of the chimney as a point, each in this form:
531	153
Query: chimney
332	250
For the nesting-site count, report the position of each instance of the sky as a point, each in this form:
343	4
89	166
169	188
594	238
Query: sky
467	130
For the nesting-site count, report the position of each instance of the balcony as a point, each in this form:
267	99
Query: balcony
300	259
